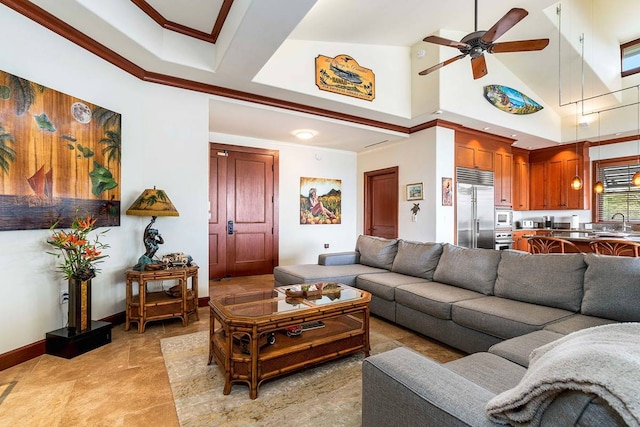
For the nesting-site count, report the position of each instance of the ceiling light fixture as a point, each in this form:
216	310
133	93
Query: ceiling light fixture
576	181
304	133
598	187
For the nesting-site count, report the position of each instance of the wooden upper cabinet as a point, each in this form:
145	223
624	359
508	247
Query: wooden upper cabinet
503	168
474	157
537	186
520	189
550	177
476	150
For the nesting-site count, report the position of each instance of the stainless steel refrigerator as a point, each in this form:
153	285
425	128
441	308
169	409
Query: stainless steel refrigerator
475	208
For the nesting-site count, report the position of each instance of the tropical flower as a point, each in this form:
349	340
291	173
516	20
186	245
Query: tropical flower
78	254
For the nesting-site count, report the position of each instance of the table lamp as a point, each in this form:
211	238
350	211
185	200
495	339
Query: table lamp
153	203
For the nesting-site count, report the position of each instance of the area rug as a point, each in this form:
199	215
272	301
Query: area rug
327	395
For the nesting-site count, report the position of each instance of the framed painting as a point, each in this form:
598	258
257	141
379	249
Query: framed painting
414	191
320	201
447	195
59	158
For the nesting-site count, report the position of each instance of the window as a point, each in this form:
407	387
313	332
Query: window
619	195
630	56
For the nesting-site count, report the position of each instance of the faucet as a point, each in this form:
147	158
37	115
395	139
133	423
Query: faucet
624	223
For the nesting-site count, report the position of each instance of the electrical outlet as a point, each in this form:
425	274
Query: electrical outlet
64	297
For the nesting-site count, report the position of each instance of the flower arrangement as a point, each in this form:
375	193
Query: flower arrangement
79	254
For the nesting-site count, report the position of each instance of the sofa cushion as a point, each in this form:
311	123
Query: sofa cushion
433	298
519	348
473	269
554	280
488	371
417	259
504	318
383	285
376	251
310	273
575	323
612	287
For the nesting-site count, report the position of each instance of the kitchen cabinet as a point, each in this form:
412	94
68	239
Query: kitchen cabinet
519	241
477	150
474	157
551	171
520	187
502	178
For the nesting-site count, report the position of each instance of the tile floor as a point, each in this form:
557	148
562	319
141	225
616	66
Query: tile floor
125	383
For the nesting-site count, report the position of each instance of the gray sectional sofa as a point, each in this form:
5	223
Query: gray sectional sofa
498	306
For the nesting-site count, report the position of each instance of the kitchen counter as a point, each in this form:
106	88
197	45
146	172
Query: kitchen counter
583	235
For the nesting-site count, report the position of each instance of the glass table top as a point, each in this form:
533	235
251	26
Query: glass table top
287	299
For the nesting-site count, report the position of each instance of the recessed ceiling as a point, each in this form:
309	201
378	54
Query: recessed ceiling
250	31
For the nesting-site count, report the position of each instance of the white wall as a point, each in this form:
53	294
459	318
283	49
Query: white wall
164	143
425	157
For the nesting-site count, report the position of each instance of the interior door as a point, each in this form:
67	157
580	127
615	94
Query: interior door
381	203
243	237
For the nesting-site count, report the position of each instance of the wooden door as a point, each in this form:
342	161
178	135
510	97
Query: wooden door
243	238
381	203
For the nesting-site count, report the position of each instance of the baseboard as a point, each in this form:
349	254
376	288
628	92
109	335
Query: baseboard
29	351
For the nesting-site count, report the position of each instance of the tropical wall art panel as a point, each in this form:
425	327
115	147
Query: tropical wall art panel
320	201
510	100
59	158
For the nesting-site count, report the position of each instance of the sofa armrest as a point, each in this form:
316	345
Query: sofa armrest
339	258
401	387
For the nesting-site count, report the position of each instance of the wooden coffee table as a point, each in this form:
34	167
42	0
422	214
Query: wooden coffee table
256	336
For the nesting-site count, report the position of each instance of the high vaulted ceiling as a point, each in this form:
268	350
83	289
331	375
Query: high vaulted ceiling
220	46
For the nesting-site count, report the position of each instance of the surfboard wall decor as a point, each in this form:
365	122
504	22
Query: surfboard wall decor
510	100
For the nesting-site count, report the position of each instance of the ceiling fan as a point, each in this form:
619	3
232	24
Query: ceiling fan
477	43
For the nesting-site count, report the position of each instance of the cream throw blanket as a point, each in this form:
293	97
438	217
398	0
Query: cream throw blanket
604	360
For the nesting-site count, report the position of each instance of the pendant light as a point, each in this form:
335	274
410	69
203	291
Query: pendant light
576	181
598	187
635	181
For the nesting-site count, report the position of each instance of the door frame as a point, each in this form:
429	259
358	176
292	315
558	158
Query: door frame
214	147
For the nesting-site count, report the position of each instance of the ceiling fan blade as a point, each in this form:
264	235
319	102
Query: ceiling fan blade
505	23
440	65
446	42
518	46
479	67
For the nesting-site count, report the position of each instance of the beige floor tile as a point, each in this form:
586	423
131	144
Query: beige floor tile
125	383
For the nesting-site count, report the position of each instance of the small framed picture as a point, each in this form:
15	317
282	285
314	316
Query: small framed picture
447	192
414	191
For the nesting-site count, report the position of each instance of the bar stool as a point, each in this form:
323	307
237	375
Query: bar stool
615	247
547	245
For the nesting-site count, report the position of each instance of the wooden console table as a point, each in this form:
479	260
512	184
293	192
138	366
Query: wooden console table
147	306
